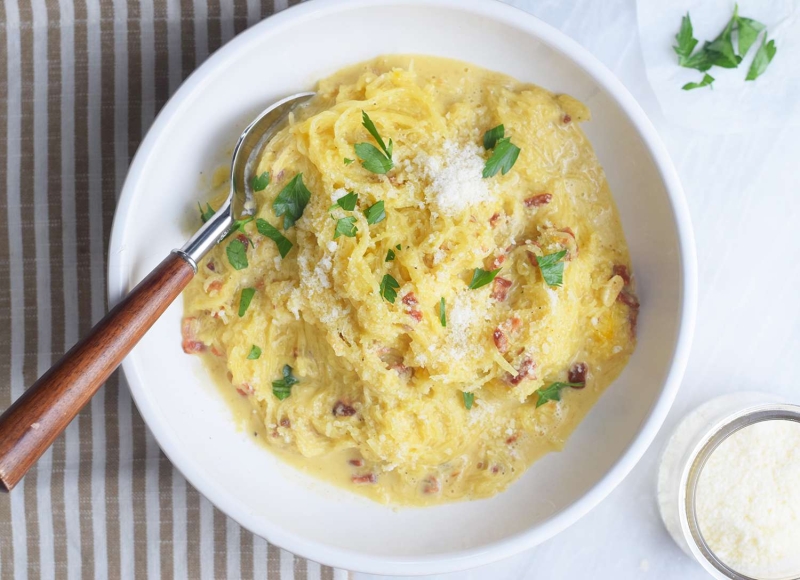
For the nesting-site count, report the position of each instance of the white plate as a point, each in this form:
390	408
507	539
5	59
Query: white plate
288	53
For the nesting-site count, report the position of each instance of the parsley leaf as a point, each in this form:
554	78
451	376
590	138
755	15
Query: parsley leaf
244	301
469	398
706	82
283	388
722	46
346	227
552	392
492	135
398	247
268	230
372	158
389	288
370	126
748	30
686	40
255	352
375	213
260	182
237	254
482	278
348	161
442	313
503	158
552	268
762	59
346	202
389	256
206	214
292	201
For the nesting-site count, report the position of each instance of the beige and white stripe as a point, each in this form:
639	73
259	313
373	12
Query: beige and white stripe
80	82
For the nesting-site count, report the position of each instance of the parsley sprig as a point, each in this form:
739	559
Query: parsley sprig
260	182
282	388
374	159
552	268
469	399
268	230
237	254
375	213
255	352
442	313
389	288
292	201
504	154
345	226
245	300
482	277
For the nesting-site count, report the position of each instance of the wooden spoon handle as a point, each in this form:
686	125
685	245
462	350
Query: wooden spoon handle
33	422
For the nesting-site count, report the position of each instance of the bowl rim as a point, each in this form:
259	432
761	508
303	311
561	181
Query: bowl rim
467	558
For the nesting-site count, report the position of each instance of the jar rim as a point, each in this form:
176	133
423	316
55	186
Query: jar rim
697	459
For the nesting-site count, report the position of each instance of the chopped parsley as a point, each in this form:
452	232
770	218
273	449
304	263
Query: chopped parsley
346	202
553	392
390	256
552	268
268	230
246	298
722	51
707	80
492	135
206	214
442	313
374	159
255	352
389	288
763	57
375	213
345	227
260	182
502	159
292	201
348	161
237	254
469	398
482	277
283	388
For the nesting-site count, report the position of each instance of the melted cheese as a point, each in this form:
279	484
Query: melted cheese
410	439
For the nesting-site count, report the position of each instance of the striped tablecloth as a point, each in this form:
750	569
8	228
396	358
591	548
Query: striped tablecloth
80	82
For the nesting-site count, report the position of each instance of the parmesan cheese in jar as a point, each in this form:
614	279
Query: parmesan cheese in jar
747	500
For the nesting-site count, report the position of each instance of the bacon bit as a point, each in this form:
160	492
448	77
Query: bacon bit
410	300
632	303
210	265
280	175
513	439
242	391
480	465
538	200
243	238
402	370
341	409
500	288
577	374
415	314
356	462
493	219
621	270
215	351
214	286
430	485
285	423
455	474
567	119
295	353
525	371
500	341
512	325
532	259
497	262
362	479
495	468
189	331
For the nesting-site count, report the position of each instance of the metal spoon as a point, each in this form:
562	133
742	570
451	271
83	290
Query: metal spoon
33	422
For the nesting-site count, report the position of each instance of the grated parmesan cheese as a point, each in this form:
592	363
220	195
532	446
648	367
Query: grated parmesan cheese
748	500
456	178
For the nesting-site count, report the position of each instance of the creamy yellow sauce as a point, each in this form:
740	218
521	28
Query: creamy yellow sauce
379	405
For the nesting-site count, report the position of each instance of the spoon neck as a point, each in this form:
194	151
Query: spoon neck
208	236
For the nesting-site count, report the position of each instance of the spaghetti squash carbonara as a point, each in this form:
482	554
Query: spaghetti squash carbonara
435	288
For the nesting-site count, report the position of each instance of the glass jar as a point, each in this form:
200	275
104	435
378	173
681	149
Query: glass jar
688	449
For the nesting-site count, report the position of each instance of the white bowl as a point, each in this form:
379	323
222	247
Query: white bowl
157	210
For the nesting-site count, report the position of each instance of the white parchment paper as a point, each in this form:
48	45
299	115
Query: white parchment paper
733	105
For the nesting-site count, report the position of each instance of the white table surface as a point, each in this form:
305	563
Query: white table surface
744	197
